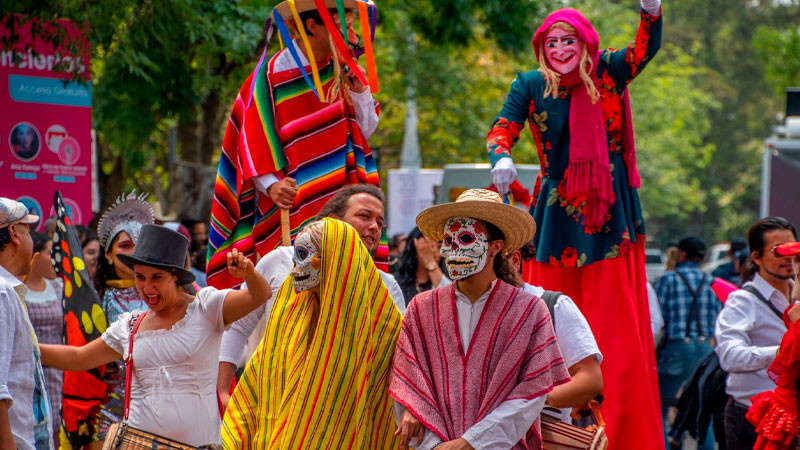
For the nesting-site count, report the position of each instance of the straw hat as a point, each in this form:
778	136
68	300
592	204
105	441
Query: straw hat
517	225
285	10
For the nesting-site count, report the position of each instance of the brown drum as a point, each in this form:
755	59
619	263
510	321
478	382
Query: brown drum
123	437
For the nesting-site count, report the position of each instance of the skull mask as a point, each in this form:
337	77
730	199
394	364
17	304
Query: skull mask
464	248
306	264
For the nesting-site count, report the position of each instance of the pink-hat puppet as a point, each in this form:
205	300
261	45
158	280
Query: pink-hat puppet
590	230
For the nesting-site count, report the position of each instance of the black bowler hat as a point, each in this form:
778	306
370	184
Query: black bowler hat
163	249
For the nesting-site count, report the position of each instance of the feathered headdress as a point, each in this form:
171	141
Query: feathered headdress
127	214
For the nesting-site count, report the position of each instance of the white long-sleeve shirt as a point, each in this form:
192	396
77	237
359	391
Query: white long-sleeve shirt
748	335
275	266
21	376
363	104
507	424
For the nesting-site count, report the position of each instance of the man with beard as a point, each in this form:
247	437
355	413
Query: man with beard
750	326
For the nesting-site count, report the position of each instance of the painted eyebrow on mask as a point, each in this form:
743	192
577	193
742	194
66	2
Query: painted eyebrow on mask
559	38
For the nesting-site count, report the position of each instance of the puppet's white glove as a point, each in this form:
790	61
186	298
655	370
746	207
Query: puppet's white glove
503	174
652	7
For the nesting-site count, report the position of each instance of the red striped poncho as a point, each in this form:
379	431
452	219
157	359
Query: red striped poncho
286	131
512	355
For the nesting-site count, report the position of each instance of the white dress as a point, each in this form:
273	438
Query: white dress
173	390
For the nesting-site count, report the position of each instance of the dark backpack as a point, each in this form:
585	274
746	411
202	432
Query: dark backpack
550	298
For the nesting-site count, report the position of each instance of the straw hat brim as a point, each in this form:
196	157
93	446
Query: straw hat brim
184	276
307	5
516	224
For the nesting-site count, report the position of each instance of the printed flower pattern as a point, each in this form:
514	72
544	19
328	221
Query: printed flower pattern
569	258
622	248
503	136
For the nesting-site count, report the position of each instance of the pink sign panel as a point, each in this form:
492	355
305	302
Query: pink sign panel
45	128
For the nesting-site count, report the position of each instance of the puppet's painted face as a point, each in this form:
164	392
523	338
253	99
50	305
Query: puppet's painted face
562	50
352	38
306	264
465	247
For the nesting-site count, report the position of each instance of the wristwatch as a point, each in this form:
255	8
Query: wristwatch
431	267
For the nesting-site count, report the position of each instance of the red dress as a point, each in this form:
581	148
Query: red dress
774	413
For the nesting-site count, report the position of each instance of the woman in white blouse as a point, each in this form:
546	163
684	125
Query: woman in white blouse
176	349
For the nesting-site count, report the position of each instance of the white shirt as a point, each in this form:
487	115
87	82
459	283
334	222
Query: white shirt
656	318
574	336
174	385
17	351
507	424
275	266
363	104
748	335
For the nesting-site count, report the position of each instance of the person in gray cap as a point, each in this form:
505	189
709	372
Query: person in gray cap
24	408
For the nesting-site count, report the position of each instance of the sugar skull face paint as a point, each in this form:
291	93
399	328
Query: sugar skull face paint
562	50
465	247
306	264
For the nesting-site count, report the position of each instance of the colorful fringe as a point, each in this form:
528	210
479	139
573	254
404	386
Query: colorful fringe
319	378
287	131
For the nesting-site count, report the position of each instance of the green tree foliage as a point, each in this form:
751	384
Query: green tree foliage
780	49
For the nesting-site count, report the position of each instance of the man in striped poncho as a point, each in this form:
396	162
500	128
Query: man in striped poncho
292	143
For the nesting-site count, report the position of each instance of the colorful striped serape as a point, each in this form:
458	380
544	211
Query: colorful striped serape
512	355
285	131
319	378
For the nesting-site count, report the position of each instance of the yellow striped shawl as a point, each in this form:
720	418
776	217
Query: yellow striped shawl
327	387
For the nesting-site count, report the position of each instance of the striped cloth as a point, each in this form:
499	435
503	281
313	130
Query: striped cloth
286	131
512	355
319	378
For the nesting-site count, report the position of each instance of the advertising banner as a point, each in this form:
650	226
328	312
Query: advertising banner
45	126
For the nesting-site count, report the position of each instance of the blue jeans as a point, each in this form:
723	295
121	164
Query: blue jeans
676	362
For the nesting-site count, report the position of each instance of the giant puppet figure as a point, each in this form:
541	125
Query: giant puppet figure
590	232
298	130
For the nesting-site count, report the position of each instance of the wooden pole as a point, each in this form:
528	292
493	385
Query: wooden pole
286	228
286	236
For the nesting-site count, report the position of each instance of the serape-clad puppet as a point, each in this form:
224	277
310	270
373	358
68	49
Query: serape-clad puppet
590	231
298	130
319	378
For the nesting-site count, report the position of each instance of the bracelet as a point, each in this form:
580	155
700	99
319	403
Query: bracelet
441	443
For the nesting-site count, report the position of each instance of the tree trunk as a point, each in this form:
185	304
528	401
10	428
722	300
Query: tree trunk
113	183
193	177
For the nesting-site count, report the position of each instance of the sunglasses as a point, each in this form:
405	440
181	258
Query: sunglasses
786	249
